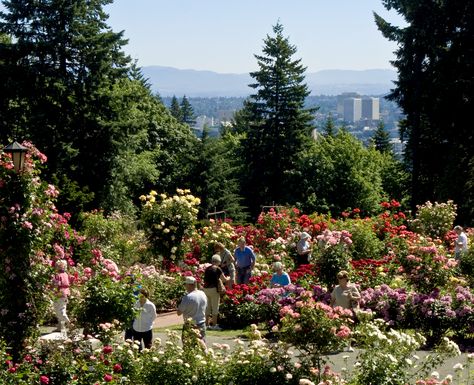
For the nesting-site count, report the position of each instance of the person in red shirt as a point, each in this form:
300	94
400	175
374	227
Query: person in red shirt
61	290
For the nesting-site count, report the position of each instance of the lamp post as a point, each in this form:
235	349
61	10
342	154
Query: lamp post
18	153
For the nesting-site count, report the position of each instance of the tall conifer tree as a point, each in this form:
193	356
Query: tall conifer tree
435	89
275	122
187	112
175	108
56	80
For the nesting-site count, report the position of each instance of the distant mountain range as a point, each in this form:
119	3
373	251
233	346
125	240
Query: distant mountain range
170	81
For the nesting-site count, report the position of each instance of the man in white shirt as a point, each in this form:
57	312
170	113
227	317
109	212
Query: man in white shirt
143	324
461	242
193	306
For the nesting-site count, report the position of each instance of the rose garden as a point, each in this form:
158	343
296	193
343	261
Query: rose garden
415	295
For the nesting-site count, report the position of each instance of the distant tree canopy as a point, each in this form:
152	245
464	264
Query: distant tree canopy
275	123
435	89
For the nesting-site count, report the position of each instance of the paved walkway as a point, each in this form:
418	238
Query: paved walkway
164	320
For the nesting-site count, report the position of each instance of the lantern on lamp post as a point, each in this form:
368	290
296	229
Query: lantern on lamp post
18	153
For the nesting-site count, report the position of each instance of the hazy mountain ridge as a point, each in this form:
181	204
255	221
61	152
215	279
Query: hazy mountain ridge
170	81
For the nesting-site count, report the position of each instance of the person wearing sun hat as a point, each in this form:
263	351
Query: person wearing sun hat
193	306
303	249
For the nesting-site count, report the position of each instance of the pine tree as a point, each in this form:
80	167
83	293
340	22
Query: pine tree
187	112
329	127
435	89
381	139
275	122
175	108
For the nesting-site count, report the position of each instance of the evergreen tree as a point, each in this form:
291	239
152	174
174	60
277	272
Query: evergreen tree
187	112
275	122
175	109
215	173
381	139
55	80
435	89
329	127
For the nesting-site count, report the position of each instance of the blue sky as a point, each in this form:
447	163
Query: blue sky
223	35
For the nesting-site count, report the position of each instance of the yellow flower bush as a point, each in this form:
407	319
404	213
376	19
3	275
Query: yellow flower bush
167	221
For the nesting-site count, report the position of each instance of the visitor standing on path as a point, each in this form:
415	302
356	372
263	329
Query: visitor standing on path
61	290
143	323
193	306
245	261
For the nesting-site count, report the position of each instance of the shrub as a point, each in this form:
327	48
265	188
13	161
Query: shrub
106	300
365	243
434	220
116	235
167	221
332	254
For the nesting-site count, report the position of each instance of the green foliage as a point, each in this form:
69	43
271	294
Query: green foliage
339	172
466	265
365	243
215	176
116	235
332	254
168	221
434	220
105	300
55	81
275	123
435	90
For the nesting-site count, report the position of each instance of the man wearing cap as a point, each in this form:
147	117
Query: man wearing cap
303	249
193	306
245	261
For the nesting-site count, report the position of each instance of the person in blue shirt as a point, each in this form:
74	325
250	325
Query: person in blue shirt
279	277
245	262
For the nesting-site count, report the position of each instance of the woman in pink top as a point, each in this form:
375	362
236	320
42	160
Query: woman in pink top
61	289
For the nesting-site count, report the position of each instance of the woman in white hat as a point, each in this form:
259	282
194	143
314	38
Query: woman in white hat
303	249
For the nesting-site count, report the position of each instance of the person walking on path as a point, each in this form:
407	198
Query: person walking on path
143	323
193	307
303	249
227	263
461	242
245	261
61	290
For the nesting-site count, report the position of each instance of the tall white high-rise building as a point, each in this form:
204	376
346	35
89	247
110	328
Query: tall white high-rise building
352	109
371	108
341	98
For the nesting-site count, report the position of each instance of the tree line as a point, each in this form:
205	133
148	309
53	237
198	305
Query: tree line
68	87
